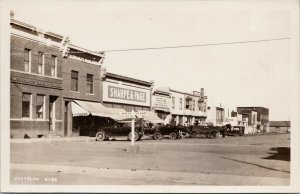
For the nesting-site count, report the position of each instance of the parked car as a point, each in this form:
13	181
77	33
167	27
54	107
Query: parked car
236	131
119	129
173	132
207	131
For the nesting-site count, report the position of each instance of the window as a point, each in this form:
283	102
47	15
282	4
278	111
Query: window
194	105
27	60
74	80
187	104
41	63
89	83
26	104
40	99
200	106
173	102
180	103
53	66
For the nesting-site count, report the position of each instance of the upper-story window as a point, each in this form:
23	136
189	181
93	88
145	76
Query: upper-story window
187	104
27	60
53	66
74	80
180	103
26	105
41	63
194	105
89	84
173	102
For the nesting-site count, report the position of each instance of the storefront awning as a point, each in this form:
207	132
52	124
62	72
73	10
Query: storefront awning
150	117
84	108
162	109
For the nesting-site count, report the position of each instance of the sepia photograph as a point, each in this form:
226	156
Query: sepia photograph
150	96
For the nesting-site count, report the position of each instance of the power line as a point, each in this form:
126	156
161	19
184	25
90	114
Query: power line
175	47
197	45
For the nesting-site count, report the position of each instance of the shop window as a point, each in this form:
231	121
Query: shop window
74	80
180	103
27	60
26	105
173	102
53	66
40	106
41	63
89	83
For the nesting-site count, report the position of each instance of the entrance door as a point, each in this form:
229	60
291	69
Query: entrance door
52	100
66	118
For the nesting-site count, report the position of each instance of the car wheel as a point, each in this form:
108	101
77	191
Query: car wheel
136	136
173	135
157	136
100	136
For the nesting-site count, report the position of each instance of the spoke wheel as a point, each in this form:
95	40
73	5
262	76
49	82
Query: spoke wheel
100	136
173	135
157	136
136	136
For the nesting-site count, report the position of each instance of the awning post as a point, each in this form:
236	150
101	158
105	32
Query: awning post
132	128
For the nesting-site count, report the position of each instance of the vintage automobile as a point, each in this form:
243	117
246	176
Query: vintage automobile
208	131
173	132
119	129
235	131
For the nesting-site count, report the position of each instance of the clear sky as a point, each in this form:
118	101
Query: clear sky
252	74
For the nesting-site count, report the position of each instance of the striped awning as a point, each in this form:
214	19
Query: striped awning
84	108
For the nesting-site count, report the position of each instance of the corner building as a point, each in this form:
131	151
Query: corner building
36	82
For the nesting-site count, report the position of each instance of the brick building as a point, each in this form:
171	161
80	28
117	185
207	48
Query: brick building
81	82
36	81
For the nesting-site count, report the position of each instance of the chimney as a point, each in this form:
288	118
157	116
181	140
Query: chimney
202	92
12	14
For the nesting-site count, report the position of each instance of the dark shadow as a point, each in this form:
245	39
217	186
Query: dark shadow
279	153
258	165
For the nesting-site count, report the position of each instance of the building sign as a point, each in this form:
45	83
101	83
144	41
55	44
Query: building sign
28	81
126	94
161	102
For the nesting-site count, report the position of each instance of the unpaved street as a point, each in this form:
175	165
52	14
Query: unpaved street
248	160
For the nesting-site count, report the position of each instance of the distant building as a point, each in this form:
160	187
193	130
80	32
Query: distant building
215	115
258	117
279	126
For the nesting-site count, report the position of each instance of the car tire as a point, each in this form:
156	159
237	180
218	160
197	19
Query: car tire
173	135
157	135
100	136
136	136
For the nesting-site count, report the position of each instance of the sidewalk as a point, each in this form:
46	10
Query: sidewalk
54	139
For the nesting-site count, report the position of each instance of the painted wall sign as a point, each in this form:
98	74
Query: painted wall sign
126	94
28	81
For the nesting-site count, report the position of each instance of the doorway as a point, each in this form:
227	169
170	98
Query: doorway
52	114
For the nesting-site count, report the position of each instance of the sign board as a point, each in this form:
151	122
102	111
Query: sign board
161	102
33	82
125	94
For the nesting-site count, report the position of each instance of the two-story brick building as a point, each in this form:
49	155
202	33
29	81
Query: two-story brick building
36	81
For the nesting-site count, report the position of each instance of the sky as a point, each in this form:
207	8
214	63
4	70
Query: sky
252	74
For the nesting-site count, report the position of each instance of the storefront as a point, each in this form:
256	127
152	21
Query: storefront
129	94
161	100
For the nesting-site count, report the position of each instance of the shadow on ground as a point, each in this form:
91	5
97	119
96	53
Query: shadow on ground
279	153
